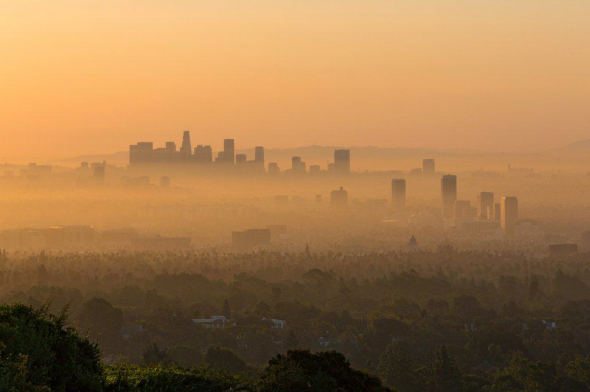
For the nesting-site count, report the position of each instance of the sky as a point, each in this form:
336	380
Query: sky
93	76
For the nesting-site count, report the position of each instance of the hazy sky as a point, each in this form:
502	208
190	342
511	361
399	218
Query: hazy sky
89	76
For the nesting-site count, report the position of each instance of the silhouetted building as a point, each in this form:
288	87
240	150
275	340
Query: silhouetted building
339	198
428	166
273	168
297	166
497	212
509	215
259	155
241	159
398	194
99	173
203	154
342	161
186	149
228	151
413	243
449	195
485	205
315	169
141	153
417	172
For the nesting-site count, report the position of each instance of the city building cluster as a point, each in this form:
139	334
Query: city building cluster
144	155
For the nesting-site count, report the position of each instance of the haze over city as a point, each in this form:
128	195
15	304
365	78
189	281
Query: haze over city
318	196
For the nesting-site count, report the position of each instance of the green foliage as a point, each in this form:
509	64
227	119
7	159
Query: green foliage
301	370
37	350
396	369
225	359
133	378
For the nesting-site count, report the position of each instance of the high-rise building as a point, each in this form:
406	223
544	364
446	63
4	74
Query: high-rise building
497	212
485	205
229	151
342	161
428	166
259	155
141	152
509	215
273	168
186	149
241	159
339	198
203	154
99	173
398	194
297	166
448	195
315	170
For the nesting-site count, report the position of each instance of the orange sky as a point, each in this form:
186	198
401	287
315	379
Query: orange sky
94	76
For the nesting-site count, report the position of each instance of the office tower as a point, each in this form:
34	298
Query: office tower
339	198
315	170
509	215
141	152
398	194
497	212
297	166
241	159
228	151
485	205
259	155
171	146
428	166
448	195
461	207
186	149
273	168
318	199
342	161
84	166
203	154
99	173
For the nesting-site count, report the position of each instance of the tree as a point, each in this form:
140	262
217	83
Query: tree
152	355
37	351
102	320
301	370
396	369
226	310
446	375
222	358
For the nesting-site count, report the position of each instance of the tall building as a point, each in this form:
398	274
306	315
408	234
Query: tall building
428	166
485	205
273	168
259	155
297	166
398	194
448	195
203	154
509	215
241	159
339	198
342	161
186	149
141	152
229	151
497	212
